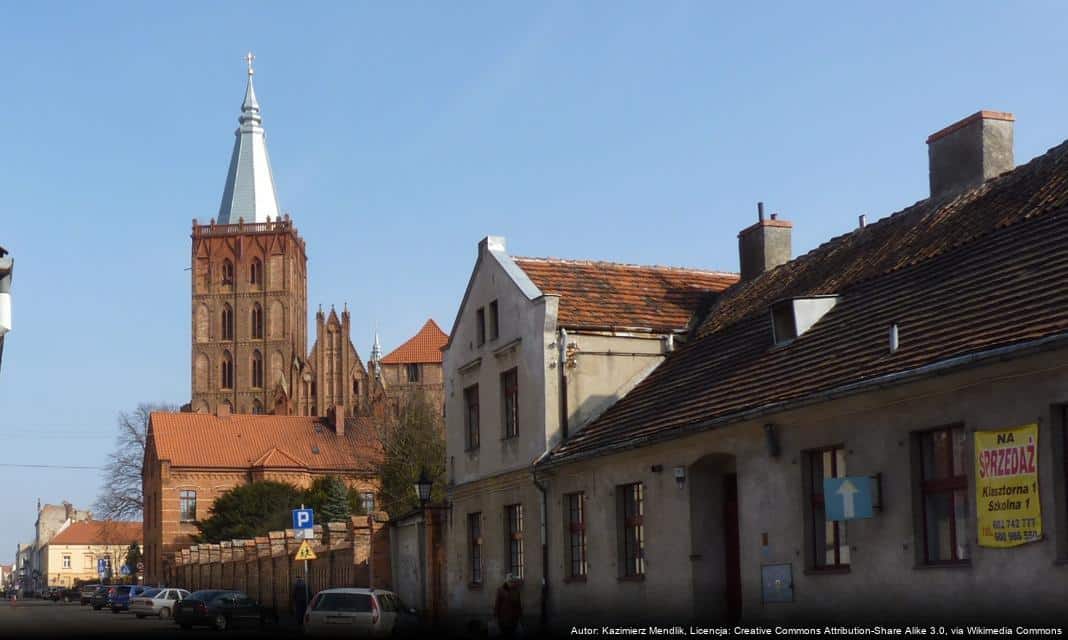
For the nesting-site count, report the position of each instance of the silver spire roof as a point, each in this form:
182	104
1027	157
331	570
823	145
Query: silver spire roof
249	193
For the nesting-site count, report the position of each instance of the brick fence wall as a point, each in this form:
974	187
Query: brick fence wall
350	554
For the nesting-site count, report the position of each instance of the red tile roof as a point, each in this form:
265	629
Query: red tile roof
99	532
246	441
624	296
424	347
958	276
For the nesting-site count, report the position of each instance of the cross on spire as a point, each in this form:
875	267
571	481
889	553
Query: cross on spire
248	60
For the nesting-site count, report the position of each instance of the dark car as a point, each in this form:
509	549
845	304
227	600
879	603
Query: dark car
100	598
119	599
87	593
221	609
63	594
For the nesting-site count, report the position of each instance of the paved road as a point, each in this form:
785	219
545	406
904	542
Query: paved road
37	618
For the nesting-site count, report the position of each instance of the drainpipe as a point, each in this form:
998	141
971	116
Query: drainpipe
562	365
544	540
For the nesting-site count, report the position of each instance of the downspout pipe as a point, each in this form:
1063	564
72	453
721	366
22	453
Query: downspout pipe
544	490
562	365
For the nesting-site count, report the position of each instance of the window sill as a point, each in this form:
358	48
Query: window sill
818	571
575	579
960	564
640	578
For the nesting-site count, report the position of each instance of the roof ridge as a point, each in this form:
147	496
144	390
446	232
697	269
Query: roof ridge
626	265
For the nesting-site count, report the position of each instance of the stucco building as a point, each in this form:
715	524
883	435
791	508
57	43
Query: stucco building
192	458
73	553
889	355
539	348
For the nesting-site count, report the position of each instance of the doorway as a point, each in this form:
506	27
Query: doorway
715	555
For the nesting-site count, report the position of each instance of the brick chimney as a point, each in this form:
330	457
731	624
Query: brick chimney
222	410
339	419
969	152
765	245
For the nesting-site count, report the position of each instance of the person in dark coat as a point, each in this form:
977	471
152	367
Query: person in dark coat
508	608
300	599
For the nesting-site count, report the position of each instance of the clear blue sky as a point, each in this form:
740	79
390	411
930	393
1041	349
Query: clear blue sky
401	133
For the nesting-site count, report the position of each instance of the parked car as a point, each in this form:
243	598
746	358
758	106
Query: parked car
87	593
221	609
157	602
120	598
358	611
63	594
99	600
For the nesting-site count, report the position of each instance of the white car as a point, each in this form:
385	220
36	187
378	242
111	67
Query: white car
358	612
156	602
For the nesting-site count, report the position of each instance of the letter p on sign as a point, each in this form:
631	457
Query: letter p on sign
303	519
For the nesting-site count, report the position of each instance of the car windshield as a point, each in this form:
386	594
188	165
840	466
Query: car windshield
206	596
148	593
348	602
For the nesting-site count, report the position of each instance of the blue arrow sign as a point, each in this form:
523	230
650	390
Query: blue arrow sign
303	519
125	570
847	498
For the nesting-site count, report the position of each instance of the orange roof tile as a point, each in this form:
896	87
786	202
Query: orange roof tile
245	441
624	296
99	532
424	347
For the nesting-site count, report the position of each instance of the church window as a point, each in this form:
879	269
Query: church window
228	272
187	505
413	373
257	369
257	321
227	371
227	323
355	387
255	272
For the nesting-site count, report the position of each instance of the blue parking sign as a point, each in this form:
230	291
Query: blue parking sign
847	498
303	519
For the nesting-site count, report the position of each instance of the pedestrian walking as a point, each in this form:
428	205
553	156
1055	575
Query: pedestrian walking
508	608
300	599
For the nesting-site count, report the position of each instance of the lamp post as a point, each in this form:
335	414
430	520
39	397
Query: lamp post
422	488
7	266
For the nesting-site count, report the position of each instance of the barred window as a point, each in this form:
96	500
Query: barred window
575	515
474	546
632	529
513	515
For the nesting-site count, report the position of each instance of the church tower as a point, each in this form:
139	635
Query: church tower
249	287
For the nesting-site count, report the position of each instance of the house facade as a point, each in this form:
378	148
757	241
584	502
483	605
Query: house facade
74	553
920	356
414	368
540	347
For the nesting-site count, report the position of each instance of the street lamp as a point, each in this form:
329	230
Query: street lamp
422	488
7	266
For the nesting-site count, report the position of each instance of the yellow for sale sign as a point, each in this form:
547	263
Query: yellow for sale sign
1006	486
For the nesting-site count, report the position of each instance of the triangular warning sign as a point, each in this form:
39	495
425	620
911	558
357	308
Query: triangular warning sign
305	552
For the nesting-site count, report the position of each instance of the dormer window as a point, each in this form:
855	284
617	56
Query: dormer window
792	317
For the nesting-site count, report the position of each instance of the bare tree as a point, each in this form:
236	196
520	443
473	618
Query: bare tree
122	497
413	443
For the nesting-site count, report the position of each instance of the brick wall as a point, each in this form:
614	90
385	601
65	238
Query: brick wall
348	555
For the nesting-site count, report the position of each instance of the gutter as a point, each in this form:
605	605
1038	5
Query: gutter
943	367
544	490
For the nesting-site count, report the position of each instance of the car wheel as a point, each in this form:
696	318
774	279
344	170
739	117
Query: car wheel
221	622
164	613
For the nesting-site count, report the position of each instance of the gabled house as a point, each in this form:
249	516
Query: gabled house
538	349
891	357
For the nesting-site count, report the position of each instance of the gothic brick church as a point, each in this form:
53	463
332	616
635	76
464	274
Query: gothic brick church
249	305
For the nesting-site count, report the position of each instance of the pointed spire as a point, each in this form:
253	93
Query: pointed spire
376	356
249	193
